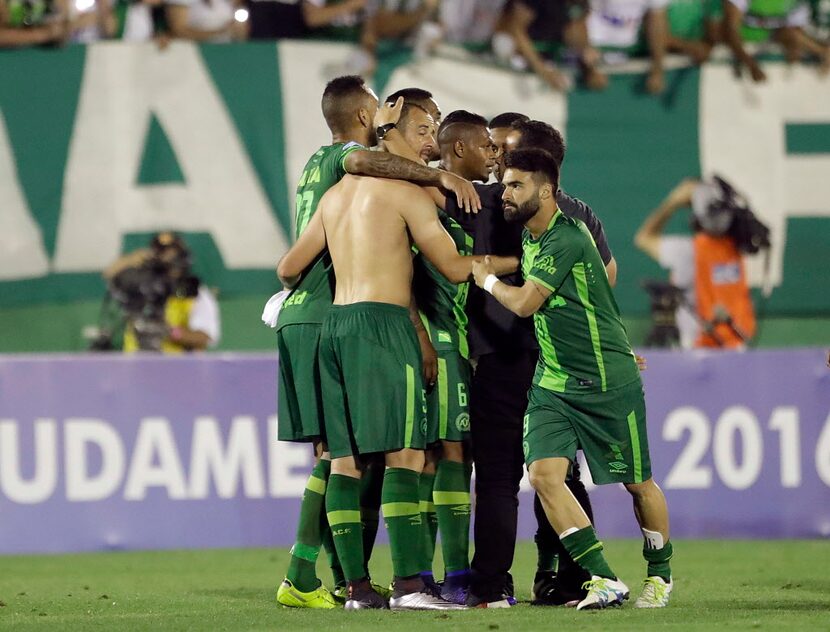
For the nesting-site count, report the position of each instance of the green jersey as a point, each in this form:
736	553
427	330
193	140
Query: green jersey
440	302
314	294
583	346
323	170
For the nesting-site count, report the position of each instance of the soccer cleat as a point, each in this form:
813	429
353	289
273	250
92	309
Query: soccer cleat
340	593
474	601
366	599
603	593
319	598
423	600
455	586
549	590
655	593
383	591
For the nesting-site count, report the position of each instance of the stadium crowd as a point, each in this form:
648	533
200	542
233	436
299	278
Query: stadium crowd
556	39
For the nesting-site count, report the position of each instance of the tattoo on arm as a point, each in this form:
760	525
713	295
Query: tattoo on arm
385	165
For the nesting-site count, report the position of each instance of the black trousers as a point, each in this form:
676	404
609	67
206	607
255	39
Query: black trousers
498	400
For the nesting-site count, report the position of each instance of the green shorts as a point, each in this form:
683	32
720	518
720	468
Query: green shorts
370	371
448	412
610	428
299	397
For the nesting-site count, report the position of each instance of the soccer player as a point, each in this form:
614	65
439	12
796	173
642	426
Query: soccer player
506	352
424	99
350	109
467	150
587	391
373	394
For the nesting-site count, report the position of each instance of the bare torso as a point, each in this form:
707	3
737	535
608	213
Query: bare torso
368	239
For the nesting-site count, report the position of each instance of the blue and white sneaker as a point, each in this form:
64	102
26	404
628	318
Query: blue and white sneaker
603	593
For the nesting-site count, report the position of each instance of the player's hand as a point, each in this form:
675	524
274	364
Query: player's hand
482	269
389	113
465	193
430	359
641	362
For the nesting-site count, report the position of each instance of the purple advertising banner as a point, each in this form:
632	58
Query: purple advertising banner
111	452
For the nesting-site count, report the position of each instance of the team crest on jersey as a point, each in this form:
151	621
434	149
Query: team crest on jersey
462	422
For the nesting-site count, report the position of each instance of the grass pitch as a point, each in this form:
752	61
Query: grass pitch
754	585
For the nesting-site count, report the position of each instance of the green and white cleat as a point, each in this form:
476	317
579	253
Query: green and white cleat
603	593
320	598
655	593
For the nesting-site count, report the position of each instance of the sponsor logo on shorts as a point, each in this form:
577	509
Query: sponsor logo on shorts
462	422
617	467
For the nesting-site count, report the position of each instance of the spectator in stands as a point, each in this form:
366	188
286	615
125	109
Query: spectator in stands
393	20
717	309
197	20
204	20
635	27
36	22
275	19
532	32
470	22
783	21
167	307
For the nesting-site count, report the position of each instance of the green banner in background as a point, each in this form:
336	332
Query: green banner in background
101	146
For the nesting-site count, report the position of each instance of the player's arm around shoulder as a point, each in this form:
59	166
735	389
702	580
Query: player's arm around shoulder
310	244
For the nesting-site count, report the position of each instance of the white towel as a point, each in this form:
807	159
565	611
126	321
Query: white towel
272	308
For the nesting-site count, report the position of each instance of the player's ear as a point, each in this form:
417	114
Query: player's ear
545	191
363	116
458	148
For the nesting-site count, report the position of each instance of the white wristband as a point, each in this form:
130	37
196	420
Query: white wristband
489	282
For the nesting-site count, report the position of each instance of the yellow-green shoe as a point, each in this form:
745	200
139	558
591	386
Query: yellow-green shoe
385	592
319	598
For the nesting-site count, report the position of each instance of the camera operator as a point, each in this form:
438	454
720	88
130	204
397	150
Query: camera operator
166	307
715	308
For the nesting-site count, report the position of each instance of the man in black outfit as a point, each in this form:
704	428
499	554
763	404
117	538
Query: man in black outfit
505	350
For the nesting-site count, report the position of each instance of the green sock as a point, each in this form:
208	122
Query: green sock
334	562
343	510
370	489
452	505
658	561
430	521
586	551
302	569
402	517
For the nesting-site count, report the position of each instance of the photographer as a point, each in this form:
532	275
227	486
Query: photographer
715	308
165	307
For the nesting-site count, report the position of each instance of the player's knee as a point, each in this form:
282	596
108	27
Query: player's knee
641	489
453	451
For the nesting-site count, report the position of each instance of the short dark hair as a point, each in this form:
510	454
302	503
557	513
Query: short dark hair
506	119
463	116
457	124
540	135
338	100
407	110
409	94
535	161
